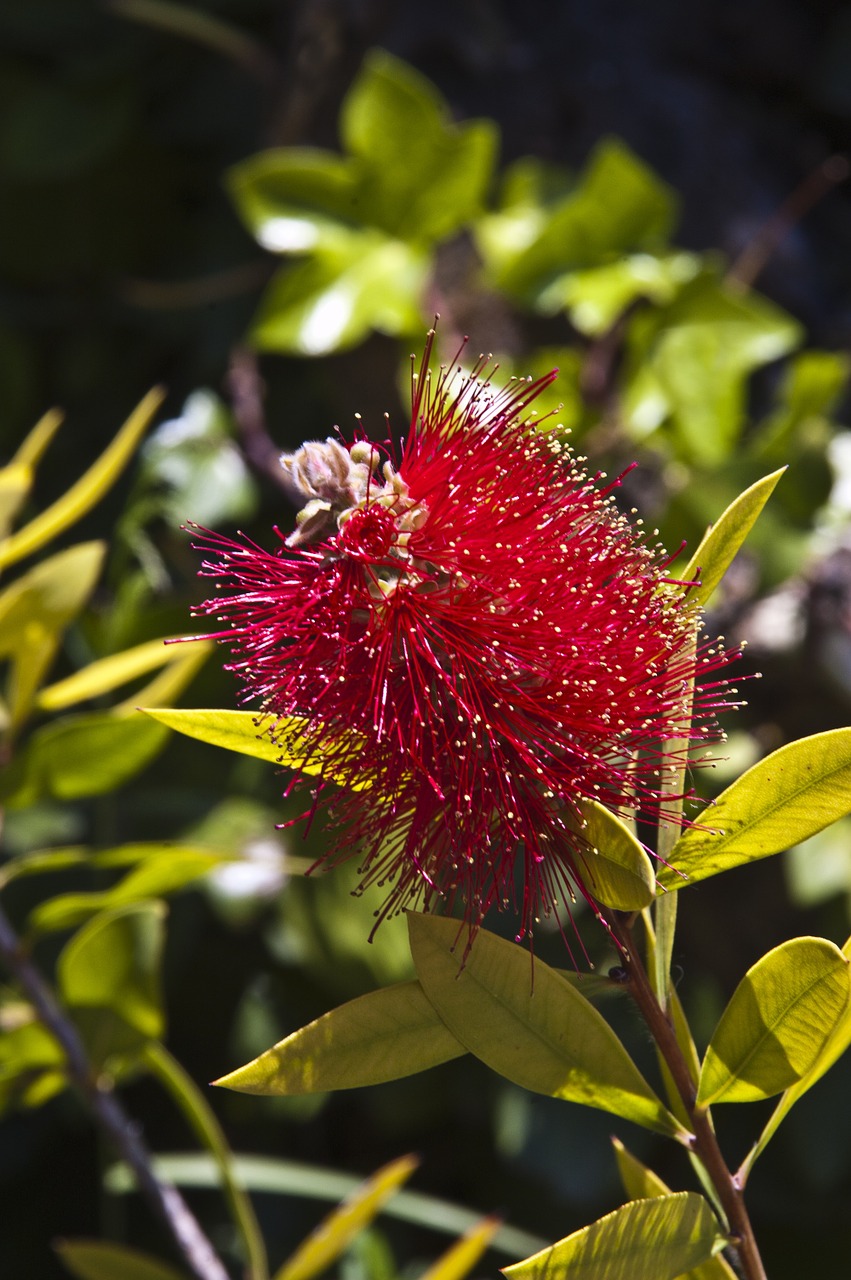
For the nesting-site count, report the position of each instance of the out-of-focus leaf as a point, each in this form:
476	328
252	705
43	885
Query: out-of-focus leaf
594	299
31	1061
787	797
657	1239
641	1183
723	539
691	361
458	1261
81	755
778	1022
97	1260
113	963
529	191
36	609
334	298
386	1034
15	484
836	1044
615	867
617	207
811	386
550	1040
86	491
168	872
36	442
106	674
336	1232
296	199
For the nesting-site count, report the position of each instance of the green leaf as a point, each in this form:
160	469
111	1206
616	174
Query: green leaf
113	963
384	1035
30	1059
107	674
777	1023
297	199
655	1239
36	609
596	298
241	731
87	491
336	1232
529	1024
618	206
166	872
332	300
82	755
615	867
641	1183
96	1260
723	539
836	1044
785	798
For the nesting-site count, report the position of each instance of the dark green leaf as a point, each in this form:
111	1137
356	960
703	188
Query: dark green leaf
97	1260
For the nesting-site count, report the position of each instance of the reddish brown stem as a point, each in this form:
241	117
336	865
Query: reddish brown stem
705	1143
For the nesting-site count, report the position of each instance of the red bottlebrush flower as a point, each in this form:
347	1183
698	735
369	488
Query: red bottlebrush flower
473	642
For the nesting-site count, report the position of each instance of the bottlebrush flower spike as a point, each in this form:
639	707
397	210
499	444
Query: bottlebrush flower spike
472	641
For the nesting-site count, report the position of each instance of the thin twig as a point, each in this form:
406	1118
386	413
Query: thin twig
246	389
705	1142
109	1113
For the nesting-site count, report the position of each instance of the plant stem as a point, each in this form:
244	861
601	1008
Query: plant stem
705	1144
109	1113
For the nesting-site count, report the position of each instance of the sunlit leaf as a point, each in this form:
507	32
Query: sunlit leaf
785	798
529	1024
615	867
36	442
15	484
656	1239
97	1260
107	674
459	1260
335	1233
594	299
381	1036
86	491
777	1023
723	539
641	1183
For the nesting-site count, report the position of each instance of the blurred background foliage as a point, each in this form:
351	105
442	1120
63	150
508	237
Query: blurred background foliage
261	205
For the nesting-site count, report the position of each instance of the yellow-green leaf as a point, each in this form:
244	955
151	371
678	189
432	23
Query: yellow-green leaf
777	1023
34	445
110	673
459	1260
15	484
641	1183
614	865
381	1036
785	798
723	539
336	1232
529	1024
87	491
656	1239
97	1260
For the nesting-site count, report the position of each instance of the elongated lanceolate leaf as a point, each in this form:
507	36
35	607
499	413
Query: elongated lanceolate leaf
656	1239
723	539
336	1232
641	1183
836	1044
459	1260
777	1023
545	1037
106	674
87	491
381	1036
96	1260
787	797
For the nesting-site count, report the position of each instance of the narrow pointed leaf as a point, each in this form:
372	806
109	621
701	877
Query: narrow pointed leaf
785	798
15	484
96	1260
656	1239
87	491
836	1044
108	673
723	539
459	1260
242	731
615	867
36	442
546	1037
777	1023
381	1036
324	1245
